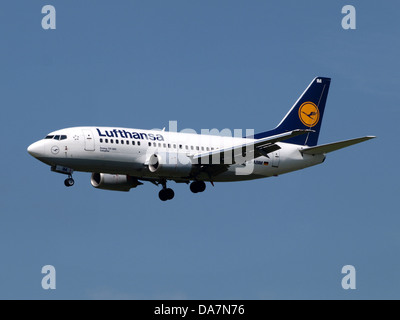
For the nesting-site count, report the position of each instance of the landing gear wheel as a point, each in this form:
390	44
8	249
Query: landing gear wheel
193	187
163	195
170	193
166	194
197	186
69	182
201	186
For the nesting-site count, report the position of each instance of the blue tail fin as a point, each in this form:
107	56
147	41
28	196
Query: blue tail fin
306	113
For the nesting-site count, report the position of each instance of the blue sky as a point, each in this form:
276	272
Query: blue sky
206	64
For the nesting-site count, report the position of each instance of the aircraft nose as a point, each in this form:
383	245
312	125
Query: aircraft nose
36	149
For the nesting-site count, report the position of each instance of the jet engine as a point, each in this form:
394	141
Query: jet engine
116	182
170	165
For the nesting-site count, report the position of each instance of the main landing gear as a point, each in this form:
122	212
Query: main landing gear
197	186
166	193
69	182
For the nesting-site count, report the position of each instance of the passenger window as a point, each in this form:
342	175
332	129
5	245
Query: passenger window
122	141
106	140
133	143
169	146
159	145
116	141
174	146
101	140
192	148
155	144
180	146
202	148
111	141
208	149
165	145
187	148
197	148
138	143
212	149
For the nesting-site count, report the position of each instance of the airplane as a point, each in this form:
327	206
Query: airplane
121	158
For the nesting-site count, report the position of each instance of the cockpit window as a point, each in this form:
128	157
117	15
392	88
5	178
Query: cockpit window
57	137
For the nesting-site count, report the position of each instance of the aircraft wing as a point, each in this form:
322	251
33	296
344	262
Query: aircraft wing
325	148
252	149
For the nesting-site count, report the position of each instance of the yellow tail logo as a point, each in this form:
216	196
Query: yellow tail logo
309	114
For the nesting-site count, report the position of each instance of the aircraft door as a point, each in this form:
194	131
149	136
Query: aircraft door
275	159
89	140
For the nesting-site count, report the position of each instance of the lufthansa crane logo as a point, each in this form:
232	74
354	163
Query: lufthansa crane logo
55	150
309	114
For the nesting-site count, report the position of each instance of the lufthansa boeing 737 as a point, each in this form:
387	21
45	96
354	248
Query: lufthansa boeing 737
121	158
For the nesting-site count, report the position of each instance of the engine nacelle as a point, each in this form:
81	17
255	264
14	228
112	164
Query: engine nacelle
116	182
170	165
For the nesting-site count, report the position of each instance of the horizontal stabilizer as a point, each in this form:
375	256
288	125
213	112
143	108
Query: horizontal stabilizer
325	148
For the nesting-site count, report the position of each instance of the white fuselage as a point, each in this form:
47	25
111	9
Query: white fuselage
127	151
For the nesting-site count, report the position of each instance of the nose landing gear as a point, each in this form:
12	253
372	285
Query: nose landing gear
69	182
